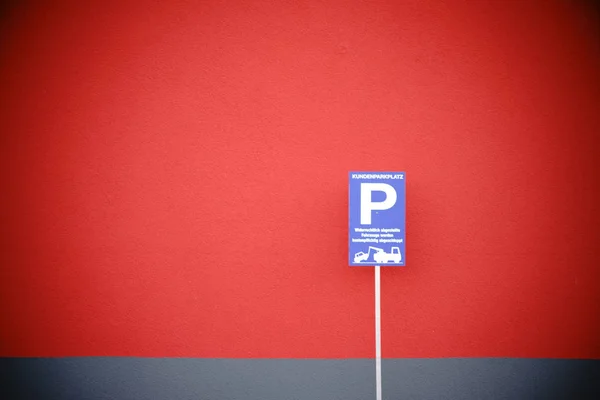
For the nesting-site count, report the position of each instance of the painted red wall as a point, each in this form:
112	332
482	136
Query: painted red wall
177	178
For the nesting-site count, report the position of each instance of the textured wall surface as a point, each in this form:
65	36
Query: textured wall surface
177	178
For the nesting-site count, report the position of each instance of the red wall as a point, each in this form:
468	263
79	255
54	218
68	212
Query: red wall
177	178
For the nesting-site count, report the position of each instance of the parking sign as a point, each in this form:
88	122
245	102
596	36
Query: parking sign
377	218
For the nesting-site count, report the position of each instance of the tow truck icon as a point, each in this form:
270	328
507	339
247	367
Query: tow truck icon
379	255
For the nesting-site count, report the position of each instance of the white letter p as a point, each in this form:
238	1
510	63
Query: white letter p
367	205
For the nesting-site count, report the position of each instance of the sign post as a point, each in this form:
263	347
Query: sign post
378	331
376	234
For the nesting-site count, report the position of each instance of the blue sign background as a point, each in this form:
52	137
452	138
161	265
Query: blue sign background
383	241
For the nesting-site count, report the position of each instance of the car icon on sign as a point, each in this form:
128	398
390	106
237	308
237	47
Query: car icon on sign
360	257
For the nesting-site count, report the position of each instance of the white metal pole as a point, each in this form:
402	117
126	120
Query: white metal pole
378	330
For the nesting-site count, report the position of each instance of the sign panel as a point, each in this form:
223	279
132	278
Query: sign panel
377	214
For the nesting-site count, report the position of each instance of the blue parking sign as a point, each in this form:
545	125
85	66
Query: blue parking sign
377	218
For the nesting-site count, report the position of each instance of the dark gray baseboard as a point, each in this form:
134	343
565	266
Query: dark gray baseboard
126	378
